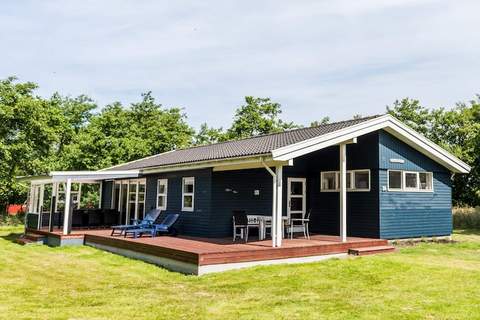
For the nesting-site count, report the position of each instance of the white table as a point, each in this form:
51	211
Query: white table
262	223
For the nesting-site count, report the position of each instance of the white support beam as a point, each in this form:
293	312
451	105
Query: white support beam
343	192
274	204
67	219
278	215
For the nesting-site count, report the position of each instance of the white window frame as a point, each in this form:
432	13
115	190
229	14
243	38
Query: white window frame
163	182
322	174
403	182
416	188
352	182
192	194
429	176
352	188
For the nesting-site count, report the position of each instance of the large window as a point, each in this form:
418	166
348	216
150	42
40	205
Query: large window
188	193
162	190
399	180
357	180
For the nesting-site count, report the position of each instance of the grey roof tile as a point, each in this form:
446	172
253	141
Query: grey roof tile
258	145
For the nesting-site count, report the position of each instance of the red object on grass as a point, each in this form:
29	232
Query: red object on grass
13	209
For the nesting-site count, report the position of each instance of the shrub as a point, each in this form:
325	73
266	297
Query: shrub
466	218
8	220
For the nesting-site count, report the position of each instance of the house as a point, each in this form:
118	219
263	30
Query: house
371	177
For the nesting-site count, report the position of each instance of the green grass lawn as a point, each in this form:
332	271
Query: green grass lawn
427	281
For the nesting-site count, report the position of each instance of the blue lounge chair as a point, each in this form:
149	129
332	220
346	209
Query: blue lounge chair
166	227
147	221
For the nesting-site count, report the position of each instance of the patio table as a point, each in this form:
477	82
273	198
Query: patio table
262	221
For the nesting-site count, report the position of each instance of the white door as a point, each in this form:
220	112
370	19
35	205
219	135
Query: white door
297	199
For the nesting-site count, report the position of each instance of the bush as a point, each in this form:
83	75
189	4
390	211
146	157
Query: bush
7	220
466	218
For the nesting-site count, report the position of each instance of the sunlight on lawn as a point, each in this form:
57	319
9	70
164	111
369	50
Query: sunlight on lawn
423	281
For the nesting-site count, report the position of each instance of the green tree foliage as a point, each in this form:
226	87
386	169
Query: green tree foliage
320	122
257	116
457	130
208	135
118	134
28	132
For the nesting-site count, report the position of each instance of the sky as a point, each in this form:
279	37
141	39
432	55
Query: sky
316	58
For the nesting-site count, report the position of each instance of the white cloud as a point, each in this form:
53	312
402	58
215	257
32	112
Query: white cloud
317	58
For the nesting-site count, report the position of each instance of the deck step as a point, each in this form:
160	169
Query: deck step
27	242
34	237
371	250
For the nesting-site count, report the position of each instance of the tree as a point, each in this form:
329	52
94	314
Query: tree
320	122
28	135
118	134
257	116
209	135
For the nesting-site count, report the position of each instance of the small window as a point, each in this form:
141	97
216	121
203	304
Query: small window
411	180
349	180
362	180
329	181
426	180
162	190
188	191
395	180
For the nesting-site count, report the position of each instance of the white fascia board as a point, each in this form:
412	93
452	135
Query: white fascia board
223	163
387	122
93	175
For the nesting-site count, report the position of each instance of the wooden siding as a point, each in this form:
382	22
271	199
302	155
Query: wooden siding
196	223
244	182
362	207
412	214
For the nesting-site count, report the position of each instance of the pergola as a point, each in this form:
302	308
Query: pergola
66	179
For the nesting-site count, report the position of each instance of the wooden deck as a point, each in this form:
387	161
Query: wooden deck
213	251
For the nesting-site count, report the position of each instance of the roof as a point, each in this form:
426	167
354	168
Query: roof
254	146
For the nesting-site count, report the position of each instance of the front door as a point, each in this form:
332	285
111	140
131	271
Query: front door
297	199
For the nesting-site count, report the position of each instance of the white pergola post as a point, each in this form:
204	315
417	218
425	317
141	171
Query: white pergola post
343	192
278	213
67	218
274	209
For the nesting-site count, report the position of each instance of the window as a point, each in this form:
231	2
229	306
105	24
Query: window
357	180
188	190
329	181
394	180
162	189
410	181
362	180
426	180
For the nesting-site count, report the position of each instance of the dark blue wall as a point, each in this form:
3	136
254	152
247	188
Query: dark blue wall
412	214
196	223
244	183
362	207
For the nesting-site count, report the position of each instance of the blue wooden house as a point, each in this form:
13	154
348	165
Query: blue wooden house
371	177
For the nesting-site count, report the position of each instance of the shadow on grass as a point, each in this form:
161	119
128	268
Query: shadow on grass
12	237
466	232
